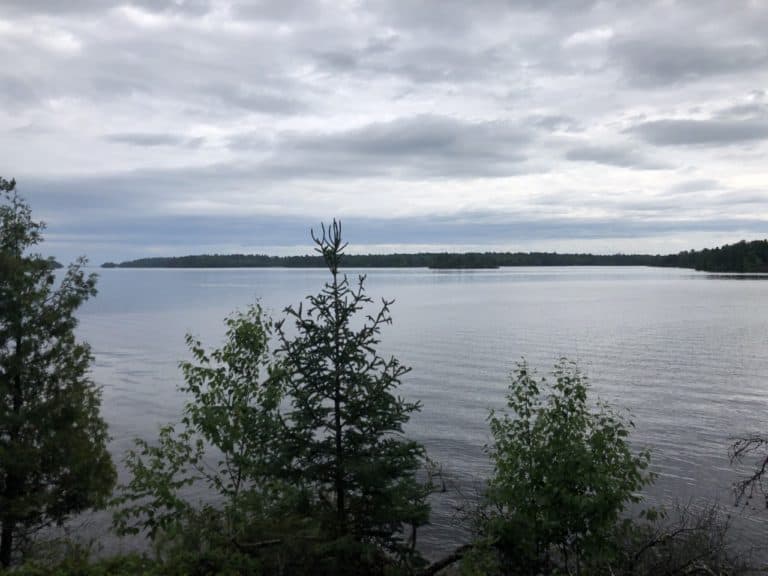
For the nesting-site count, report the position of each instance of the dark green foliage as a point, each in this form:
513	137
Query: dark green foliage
312	475
345	422
419	260
53	456
740	257
232	415
229	446
131	565
563	473
690	540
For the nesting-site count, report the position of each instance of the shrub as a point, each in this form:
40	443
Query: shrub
563	473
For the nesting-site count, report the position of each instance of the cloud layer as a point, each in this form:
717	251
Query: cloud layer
169	126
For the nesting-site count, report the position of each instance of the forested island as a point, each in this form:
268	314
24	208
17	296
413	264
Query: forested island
741	257
415	260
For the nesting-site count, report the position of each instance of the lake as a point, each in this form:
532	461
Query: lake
684	351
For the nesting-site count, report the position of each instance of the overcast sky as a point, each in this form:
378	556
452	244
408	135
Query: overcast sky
170	127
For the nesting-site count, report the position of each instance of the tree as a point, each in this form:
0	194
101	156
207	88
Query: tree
312	467
563	473
53	456
345	421
229	443
232	415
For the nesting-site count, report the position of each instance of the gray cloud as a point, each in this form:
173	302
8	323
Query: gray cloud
614	156
277	99
285	10
440	62
750	110
700	185
196	7
15	92
664	61
417	147
457	15
701	132
154	139
53	6
555	123
736	197
425	136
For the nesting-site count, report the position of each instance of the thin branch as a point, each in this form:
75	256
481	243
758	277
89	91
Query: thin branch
443	563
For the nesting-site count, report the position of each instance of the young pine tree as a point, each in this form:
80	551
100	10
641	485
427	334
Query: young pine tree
53	455
345	422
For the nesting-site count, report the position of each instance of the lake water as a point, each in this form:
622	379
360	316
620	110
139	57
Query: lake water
684	351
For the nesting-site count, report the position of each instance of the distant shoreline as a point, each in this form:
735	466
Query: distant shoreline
741	257
435	261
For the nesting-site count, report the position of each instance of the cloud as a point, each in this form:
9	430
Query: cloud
614	156
699	185
154	139
664	61
439	62
589	37
747	110
15	91
555	123
253	98
438	16
57	7
710	132
423	146
424	136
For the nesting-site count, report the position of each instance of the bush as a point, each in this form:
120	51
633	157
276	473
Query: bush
689	540
563	473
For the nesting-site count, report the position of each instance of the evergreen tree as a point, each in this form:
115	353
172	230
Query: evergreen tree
53	455
345	422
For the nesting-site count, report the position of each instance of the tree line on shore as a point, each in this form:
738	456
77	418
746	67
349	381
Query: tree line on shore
295	428
741	257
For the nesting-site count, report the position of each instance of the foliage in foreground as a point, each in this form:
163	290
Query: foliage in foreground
312	472
563	474
689	541
233	411
53	456
752	448
345	423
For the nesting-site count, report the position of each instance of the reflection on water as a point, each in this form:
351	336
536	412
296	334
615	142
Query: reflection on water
686	356
745	276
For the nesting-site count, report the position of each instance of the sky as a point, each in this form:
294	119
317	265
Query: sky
167	127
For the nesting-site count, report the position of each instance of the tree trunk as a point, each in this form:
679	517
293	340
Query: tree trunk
13	484
6	543
341	514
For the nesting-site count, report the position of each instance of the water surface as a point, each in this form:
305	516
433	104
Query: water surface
685	352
